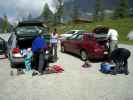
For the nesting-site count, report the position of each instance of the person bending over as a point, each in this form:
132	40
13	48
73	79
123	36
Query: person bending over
120	57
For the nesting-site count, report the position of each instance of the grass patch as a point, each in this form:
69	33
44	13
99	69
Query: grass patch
123	26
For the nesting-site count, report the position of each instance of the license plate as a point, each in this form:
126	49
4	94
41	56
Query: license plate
18	55
105	52
2	56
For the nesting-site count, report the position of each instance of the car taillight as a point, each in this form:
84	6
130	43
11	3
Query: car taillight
15	50
96	50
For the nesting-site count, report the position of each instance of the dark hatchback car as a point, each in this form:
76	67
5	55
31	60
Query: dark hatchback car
87	45
22	38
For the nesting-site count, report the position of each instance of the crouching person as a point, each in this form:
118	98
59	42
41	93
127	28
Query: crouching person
120	57
38	48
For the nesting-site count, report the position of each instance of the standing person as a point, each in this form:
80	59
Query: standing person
38	47
54	41
112	35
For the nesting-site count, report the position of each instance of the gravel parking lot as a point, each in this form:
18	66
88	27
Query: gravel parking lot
75	83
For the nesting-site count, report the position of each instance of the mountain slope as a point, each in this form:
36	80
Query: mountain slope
88	5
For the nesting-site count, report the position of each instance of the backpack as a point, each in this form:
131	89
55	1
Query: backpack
105	68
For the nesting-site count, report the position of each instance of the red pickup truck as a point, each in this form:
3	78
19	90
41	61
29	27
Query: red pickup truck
87	45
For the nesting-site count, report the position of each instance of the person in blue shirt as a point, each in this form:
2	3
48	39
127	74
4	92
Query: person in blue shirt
38	47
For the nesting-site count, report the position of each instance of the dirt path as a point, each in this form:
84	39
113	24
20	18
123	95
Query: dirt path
75	83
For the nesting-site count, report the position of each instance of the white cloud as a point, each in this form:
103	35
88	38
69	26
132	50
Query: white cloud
20	8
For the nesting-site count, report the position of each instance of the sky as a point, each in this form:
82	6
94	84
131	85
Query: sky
17	9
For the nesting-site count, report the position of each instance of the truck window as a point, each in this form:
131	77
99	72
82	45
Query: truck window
79	37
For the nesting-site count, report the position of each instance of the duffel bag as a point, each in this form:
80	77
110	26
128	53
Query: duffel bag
105	68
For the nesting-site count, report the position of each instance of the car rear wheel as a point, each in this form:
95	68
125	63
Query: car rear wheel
63	49
83	55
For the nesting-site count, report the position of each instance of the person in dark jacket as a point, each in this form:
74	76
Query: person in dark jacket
120	57
38	47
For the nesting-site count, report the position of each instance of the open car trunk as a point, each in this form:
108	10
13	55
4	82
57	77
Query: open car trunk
24	42
101	36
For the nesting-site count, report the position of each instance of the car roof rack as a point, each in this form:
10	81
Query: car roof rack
32	23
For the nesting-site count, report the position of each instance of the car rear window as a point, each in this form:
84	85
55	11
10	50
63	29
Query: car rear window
30	30
101	37
98	37
101	30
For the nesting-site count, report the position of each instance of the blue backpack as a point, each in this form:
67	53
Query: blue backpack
105	68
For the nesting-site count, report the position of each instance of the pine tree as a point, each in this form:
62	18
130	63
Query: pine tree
55	20
5	24
47	14
121	10
98	11
102	14
59	13
75	8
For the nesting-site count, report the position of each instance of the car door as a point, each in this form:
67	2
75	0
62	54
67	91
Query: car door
69	42
11	44
77	43
89	43
2	46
